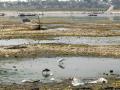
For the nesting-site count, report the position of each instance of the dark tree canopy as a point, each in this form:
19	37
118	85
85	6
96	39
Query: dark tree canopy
56	4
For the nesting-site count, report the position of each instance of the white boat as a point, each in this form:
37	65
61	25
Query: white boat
33	26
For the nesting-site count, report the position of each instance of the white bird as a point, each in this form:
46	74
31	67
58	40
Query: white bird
51	74
61	60
100	80
76	82
93	82
52	79
30	81
61	64
24	81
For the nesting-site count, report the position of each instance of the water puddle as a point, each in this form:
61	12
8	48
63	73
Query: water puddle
66	40
12	70
5	42
58	29
89	40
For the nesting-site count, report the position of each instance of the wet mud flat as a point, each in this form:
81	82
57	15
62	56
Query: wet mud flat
66	48
64	85
60	50
69	30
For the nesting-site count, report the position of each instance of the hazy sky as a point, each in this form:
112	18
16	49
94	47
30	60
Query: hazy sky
12	0
25	0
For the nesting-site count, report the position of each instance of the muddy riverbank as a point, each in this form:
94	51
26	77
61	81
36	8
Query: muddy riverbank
87	29
64	85
60	50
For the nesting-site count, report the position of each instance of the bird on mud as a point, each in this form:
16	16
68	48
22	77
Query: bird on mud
61	63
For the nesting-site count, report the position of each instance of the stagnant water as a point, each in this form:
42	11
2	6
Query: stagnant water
66	40
7	42
89	40
15	70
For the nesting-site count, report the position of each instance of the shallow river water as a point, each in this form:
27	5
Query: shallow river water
15	70
66	40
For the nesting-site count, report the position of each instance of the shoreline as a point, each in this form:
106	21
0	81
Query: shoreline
66	84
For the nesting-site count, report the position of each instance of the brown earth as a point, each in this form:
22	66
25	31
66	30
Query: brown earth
60	50
69	29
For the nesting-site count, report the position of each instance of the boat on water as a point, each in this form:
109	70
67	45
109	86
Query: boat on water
93	14
33	26
2	14
26	14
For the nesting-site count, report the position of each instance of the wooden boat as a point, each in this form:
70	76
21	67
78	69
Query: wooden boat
32	26
26	14
2	14
35	26
93	14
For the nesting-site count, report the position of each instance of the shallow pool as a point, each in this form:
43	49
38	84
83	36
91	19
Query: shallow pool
89	40
15	70
6	42
66	40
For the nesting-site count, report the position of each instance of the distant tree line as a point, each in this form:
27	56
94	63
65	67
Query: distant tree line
60	5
